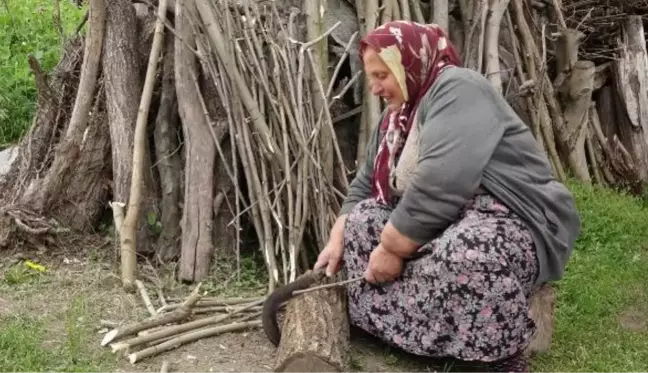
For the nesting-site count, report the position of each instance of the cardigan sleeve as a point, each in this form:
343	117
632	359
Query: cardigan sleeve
459	133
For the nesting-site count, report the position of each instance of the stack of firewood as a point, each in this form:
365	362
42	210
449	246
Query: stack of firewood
178	322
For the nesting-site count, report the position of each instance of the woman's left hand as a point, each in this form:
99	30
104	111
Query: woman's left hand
384	266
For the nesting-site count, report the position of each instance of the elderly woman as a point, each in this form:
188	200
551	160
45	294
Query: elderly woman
454	217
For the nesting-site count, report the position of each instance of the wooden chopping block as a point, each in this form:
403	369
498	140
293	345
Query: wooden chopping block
315	336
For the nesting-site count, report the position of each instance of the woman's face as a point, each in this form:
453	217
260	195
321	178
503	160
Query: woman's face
381	80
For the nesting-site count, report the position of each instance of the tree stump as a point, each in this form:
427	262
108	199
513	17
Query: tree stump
315	335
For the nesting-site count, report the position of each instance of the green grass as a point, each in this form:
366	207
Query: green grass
26	343
27	28
607	275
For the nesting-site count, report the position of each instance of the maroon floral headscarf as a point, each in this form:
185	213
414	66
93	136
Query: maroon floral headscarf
415	54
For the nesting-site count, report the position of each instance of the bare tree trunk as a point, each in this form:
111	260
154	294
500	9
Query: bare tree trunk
197	244
123	88
632	87
167	154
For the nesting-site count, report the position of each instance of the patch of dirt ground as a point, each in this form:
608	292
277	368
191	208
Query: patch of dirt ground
89	291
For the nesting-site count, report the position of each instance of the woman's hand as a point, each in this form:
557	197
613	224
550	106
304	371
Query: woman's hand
384	266
331	256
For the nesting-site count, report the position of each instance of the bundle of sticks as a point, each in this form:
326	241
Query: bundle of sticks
178	322
600	21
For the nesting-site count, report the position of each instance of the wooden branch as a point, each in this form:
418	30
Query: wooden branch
632	87
405	11
493	22
177	329
415	5
218	42
320	77
180	314
145	297
388	11
190	337
128	236
222	301
169	162
591	156
165	367
196	248
371	114
543	100
118	214
576	99
440	14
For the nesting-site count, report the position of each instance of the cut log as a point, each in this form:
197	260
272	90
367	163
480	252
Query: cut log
632	87
315	335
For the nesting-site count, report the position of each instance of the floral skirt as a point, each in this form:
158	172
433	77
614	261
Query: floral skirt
464	294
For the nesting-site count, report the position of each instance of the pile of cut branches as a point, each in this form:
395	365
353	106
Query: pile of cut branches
279	110
177	323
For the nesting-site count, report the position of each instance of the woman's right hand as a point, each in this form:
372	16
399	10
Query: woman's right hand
331	256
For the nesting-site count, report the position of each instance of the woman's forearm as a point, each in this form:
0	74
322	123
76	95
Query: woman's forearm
397	243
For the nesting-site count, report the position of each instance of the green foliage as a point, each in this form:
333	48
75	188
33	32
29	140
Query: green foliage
27	28
606	276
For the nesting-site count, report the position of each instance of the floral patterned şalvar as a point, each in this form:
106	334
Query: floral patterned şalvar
462	295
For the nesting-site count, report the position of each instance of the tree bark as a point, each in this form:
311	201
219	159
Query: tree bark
371	111
545	101
128	230
576	100
197	243
632	87
575	80
167	154
315	336
224	234
493	22
440	14
44	197
123	88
